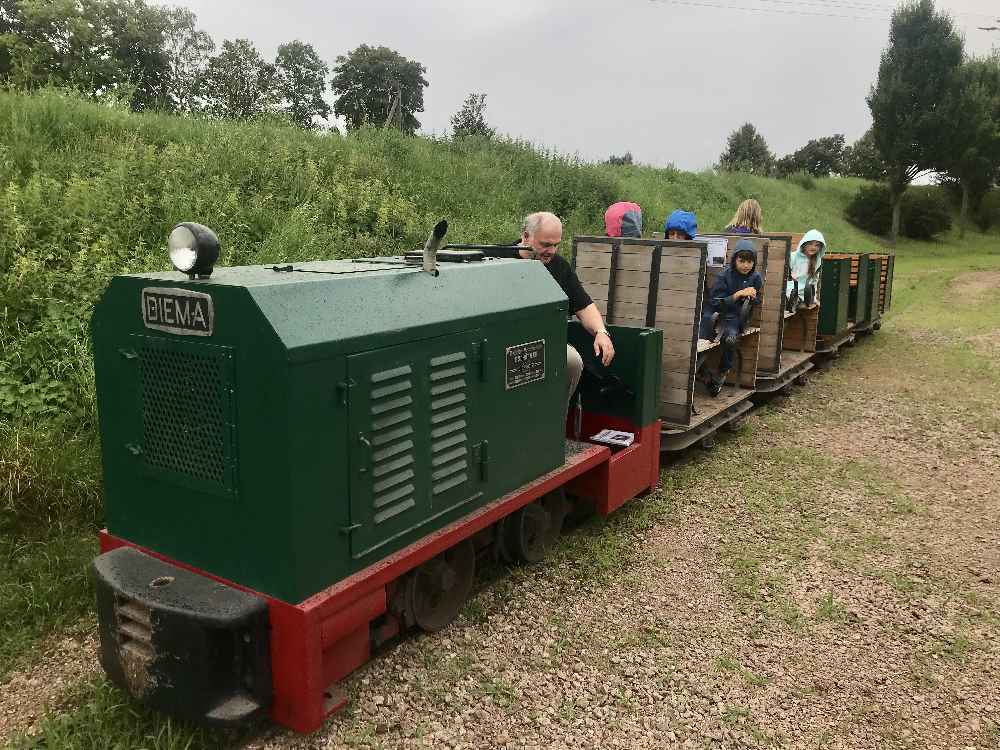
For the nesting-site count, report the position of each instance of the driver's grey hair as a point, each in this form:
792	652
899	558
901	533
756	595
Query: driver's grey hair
533	222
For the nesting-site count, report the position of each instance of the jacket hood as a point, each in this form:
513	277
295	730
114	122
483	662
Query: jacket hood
684	221
813	235
743	246
623	219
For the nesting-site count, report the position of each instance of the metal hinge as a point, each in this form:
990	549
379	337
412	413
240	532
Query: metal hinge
479	355
481	454
344	389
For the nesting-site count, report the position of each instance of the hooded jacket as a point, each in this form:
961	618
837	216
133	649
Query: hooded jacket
798	263
623	219
683	221
731	281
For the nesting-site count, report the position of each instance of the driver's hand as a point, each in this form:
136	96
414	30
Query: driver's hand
603	348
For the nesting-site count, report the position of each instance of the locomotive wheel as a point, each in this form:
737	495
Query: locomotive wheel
531	531
437	589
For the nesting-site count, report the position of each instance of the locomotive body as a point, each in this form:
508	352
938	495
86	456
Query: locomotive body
331	415
301	461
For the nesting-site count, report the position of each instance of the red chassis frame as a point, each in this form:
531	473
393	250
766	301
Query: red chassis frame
321	640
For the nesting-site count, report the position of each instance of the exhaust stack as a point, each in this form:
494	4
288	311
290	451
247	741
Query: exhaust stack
432	245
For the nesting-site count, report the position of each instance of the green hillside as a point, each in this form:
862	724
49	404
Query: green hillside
90	191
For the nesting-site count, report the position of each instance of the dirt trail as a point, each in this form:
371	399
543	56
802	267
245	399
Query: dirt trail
26	696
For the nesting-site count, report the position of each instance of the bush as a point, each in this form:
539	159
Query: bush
803	179
924	212
987	215
869	210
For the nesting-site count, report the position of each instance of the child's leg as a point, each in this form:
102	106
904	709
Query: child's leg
730	330
707	328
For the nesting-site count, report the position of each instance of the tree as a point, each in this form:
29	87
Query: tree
820	157
187	50
372	83
132	37
972	156
916	76
621	161
471	118
747	151
301	83
100	47
862	159
238	84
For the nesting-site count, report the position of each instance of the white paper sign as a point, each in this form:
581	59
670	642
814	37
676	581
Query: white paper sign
717	250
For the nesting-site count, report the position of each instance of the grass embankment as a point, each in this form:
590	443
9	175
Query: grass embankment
89	192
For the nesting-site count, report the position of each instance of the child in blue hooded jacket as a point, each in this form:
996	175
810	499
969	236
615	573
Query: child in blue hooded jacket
738	282
803	267
680	225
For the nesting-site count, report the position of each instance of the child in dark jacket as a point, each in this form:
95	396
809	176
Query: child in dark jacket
739	281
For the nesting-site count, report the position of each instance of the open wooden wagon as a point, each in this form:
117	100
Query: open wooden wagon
662	284
787	339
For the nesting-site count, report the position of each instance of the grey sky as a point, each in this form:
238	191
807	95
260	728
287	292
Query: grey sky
665	80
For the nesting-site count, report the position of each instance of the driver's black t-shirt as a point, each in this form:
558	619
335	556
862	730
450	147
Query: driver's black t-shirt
561	271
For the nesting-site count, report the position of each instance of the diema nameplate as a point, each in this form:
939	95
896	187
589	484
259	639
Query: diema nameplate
178	311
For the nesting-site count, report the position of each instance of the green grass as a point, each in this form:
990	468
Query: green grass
98	717
43	586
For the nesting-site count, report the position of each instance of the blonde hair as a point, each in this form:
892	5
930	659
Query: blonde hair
748	215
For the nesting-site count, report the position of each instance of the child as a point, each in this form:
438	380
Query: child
803	267
739	283
680	225
623	219
748	218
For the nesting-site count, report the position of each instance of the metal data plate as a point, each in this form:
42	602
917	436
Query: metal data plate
525	363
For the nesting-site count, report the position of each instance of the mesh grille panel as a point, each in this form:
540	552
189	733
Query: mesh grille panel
183	412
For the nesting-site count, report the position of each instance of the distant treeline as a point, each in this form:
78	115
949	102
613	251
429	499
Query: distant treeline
156	58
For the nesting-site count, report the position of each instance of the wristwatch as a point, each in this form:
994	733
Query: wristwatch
600	331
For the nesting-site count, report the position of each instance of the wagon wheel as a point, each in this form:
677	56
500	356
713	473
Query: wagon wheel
531	531
437	589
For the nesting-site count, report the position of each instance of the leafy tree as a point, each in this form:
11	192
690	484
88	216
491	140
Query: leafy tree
10	18
238	83
972	156
471	118
819	157
863	160
132	37
916	77
301	83
372	83
187	50
621	161
100	47
747	151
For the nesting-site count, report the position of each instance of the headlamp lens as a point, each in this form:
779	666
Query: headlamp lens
182	244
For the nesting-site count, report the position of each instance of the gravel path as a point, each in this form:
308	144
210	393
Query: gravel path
839	588
66	660
827	578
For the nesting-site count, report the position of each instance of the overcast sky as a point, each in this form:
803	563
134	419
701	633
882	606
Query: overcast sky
667	80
